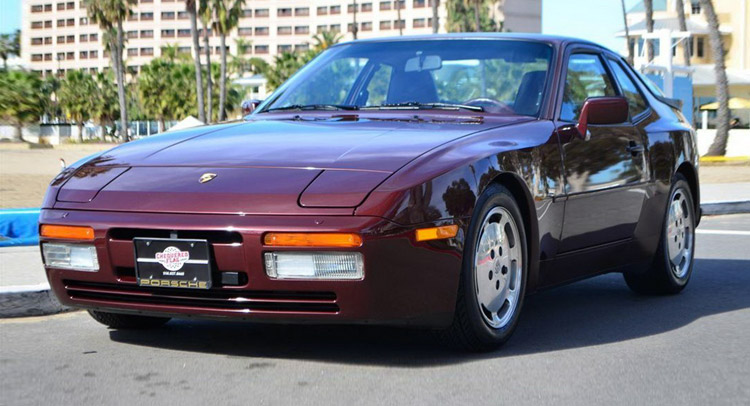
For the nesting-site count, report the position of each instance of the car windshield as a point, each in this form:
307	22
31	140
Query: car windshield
492	76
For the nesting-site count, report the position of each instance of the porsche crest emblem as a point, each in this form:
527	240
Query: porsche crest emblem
207	177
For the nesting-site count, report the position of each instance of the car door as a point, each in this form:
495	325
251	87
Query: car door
605	170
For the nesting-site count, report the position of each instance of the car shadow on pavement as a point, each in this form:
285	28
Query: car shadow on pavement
597	311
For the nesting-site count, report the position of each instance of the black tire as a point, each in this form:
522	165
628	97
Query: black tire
469	330
660	279
127	321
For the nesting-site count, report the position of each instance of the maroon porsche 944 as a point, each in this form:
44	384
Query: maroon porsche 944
428	181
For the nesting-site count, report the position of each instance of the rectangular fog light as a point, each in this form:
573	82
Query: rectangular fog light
75	257
315	265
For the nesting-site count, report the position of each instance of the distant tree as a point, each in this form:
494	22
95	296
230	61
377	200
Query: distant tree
205	12
226	17
627	33
683	27
284	66
462	16
719	145
77	96
21	101
106	109
110	14
649	6
324	40
191	7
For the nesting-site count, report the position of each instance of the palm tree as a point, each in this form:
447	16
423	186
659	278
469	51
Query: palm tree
462	16
649	5
226	17
105	107
627	33
110	14
6	49
239	64
191	7
206	15
398	16
325	39
683	28
21	101
719	145
75	94
435	22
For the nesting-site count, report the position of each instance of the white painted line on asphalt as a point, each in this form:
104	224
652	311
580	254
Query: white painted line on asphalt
722	232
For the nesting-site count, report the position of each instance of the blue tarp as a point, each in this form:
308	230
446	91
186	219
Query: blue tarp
19	227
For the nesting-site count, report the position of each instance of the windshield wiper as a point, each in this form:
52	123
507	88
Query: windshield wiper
420	106
314	107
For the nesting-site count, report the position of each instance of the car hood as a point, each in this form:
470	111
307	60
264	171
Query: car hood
280	166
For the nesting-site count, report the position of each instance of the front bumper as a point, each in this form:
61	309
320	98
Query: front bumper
406	282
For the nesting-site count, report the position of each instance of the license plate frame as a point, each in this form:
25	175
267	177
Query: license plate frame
172	263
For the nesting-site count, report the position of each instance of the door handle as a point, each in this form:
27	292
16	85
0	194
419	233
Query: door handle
635	148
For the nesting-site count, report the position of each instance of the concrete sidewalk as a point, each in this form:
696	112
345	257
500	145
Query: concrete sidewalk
24	290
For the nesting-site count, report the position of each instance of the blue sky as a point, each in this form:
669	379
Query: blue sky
595	20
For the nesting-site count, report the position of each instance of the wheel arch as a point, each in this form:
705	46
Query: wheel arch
522	195
690	173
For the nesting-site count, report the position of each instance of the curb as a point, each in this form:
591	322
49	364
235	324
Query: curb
38	300
25	301
719	208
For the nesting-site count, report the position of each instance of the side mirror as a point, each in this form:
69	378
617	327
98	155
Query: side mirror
248	106
602	110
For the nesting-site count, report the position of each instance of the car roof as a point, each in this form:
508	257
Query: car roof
551	39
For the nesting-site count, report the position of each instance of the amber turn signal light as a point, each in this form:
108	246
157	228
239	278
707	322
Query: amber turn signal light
345	240
437	233
67	232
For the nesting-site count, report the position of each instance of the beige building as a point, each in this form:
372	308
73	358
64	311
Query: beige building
57	34
734	20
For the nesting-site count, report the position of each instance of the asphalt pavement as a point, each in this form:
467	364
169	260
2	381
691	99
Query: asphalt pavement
592	342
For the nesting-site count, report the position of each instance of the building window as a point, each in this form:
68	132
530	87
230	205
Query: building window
335	10
70	39
366	7
167	33
70	22
83	38
83	21
284	31
70	5
93	37
301	30
48	24
385	25
93	54
419	3
302	11
700	46
302	47
48	7
284	48
321	28
322	10
261	31
261	12
261	49
37	41
419	23
695	7
60	39
185	32
147	51
132	51
399	4
367	26
60	6
284	12
131	34
335	27
183	15
183	50
35	25
61	23
350	27
350	8
38	8
83	55
168	15
399	24
47	40
148	16
70	55
36	57
147	33
133	17
245	31
247	13
385	5
48	57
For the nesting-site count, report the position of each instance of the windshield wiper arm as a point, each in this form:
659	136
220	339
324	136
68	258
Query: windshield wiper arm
418	105
314	107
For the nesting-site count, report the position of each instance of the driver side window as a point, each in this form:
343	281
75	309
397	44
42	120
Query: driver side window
586	78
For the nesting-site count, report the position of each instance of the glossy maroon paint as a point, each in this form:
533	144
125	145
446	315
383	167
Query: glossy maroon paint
381	174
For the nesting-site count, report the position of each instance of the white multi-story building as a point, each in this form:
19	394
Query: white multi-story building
58	35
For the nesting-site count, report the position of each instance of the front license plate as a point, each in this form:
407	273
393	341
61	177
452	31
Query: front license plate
172	263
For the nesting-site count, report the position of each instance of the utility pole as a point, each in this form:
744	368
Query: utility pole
355	28
435	18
